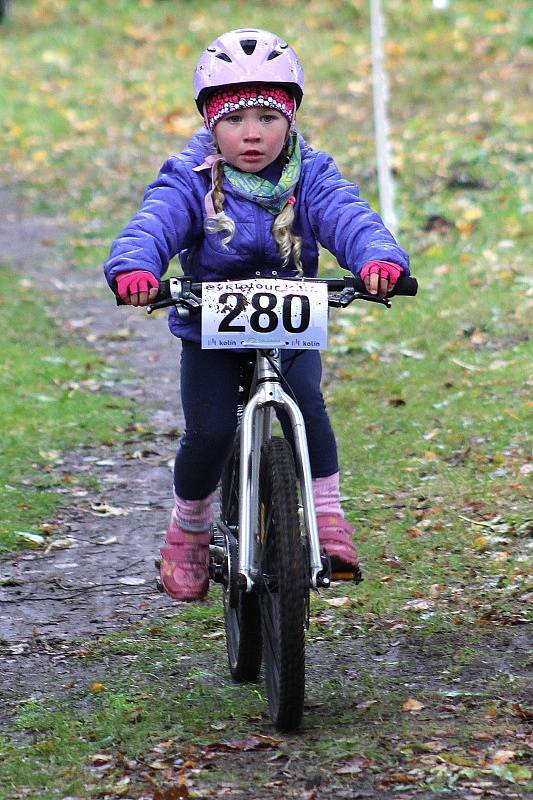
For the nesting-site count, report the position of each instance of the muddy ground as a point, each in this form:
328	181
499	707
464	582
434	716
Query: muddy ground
51	601
106	580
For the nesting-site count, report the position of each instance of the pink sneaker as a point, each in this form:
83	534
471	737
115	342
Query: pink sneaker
335	534
184	565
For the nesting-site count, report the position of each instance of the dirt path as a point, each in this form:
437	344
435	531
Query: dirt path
53	600
106	578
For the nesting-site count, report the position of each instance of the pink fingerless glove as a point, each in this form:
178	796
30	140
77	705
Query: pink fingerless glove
385	269
135	281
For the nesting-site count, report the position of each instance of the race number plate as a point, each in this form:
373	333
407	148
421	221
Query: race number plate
264	313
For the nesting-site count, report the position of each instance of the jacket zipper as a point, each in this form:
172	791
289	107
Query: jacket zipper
260	236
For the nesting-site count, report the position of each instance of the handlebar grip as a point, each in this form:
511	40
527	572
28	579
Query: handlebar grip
406	286
163	292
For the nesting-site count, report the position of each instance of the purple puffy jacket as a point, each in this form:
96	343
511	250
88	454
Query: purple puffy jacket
328	210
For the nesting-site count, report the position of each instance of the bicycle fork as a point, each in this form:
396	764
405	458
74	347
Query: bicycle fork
256	428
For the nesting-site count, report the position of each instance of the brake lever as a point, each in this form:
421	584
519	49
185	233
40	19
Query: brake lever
191	303
348	295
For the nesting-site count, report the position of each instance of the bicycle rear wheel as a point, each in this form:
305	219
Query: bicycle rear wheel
284	585
241	609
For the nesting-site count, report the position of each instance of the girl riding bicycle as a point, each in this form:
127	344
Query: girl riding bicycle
247	197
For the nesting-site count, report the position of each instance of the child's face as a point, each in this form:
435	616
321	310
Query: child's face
251	139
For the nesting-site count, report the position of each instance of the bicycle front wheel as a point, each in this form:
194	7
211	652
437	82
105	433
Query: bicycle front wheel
284	585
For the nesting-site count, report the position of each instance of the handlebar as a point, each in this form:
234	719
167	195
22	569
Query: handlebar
185	292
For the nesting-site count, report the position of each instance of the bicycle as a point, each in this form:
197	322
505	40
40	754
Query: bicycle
265	549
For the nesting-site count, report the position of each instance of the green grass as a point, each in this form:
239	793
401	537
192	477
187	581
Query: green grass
430	401
46	407
162	679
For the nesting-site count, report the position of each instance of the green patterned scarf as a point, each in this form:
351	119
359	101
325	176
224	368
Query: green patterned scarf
273	197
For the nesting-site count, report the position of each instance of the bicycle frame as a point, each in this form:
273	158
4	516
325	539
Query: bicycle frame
256	428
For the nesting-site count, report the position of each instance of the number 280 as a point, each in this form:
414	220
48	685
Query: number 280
264	318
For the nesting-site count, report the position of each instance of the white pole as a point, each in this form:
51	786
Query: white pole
381	122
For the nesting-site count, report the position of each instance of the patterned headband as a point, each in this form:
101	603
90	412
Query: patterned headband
232	99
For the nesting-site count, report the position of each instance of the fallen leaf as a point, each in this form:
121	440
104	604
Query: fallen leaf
500	556
366	705
257	742
34	538
104	510
97	687
412	705
109	540
501	757
158	764
353	766
339	602
122	786
172	792
481	542
131	580
18	649
419	605
62	544
101	758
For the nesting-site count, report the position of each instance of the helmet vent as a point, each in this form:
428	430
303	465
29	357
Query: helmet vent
272	55
223	57
248	45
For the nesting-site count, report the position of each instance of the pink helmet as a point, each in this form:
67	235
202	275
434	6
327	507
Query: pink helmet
247	55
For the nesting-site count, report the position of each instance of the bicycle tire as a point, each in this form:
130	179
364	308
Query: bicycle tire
284	585
241	609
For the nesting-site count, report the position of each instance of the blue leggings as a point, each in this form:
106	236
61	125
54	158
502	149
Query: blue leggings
209	394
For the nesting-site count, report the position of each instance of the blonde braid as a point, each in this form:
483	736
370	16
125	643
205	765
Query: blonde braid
221	221
288	243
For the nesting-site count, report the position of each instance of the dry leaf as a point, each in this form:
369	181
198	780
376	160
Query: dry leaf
101	758
353	766
97	687
339	602
501	757
131	580
419	605
366	705
104	510
33	538
412	705
481	542
109	540
122	786
62	544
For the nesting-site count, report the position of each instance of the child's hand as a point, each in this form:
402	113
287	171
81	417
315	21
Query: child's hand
137	288
380	277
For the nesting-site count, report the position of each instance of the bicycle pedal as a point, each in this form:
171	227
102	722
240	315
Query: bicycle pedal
352	575
343	576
